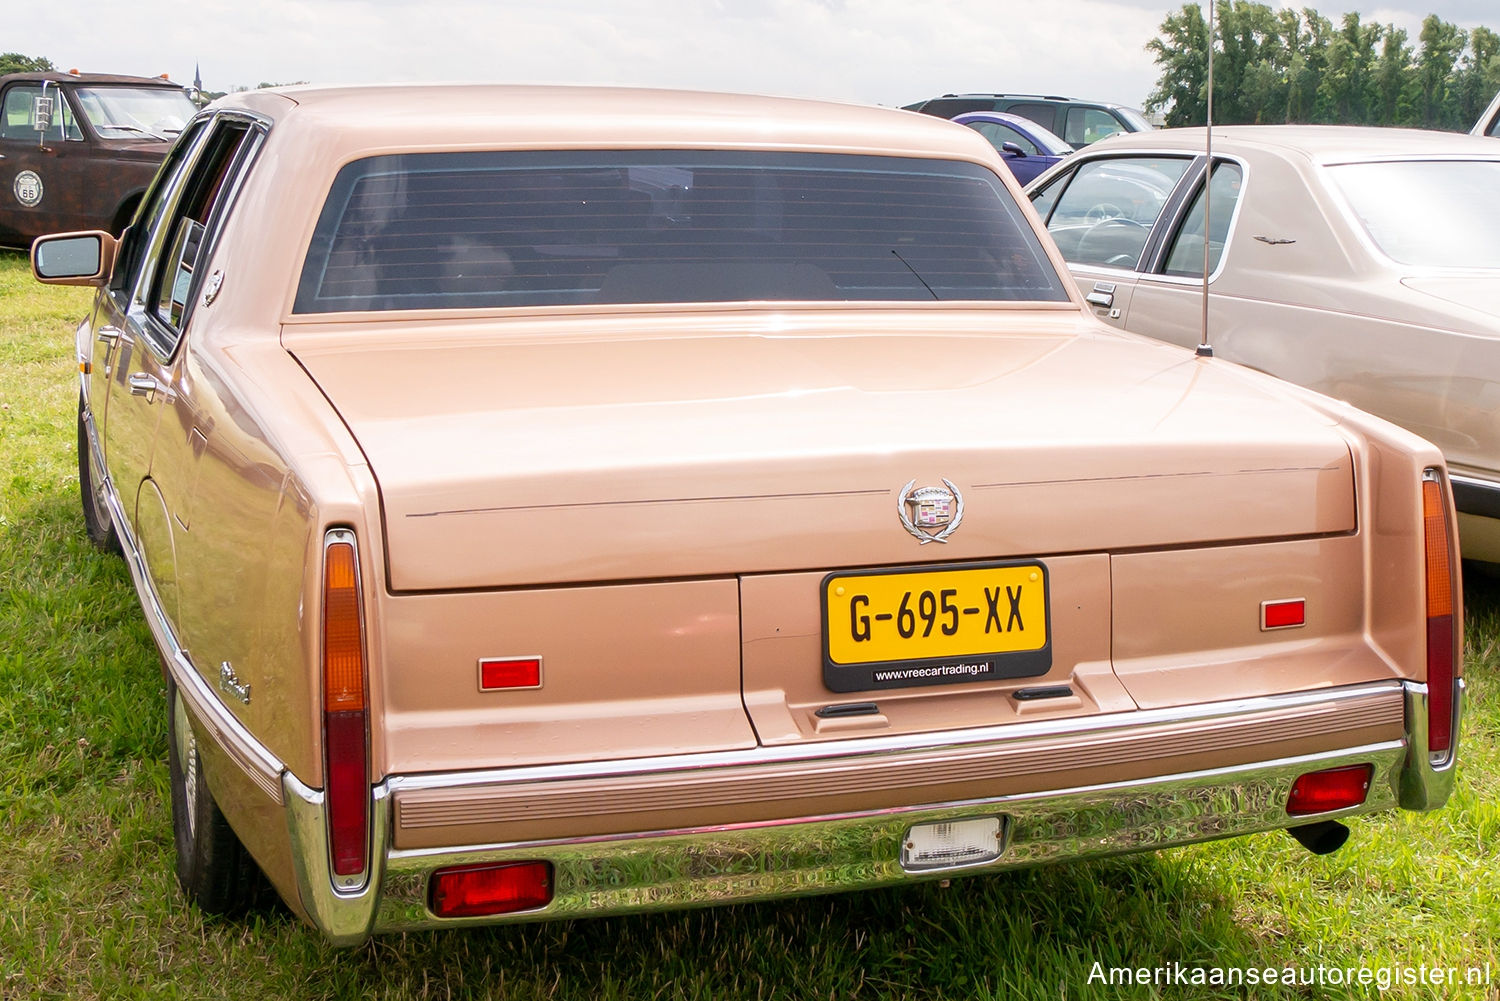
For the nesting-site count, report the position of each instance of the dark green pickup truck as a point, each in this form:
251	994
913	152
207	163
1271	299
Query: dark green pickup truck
77	150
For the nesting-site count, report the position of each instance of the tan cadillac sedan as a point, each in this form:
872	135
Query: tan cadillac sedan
1360	262
564	502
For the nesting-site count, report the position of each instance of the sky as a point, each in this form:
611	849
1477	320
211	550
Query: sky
871	51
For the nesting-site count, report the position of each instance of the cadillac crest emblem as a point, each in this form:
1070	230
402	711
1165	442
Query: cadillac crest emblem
930	514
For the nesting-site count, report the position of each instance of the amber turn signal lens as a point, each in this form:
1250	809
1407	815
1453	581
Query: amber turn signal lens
1333	789
1439	562
491	888
343	649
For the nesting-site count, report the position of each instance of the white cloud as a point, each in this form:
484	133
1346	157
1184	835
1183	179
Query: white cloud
882	51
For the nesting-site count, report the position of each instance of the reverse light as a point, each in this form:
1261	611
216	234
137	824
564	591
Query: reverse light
345	715
1442	640
471	891
1331	789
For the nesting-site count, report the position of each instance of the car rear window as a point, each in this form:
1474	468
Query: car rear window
464	230
1429	213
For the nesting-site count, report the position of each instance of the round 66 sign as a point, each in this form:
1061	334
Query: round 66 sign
28	188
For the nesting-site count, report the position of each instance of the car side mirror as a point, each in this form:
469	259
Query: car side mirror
1012	149
73	258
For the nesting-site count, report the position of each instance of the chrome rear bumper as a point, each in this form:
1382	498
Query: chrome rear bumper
667	869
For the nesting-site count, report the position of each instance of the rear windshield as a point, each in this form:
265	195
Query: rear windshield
462	230
1430	213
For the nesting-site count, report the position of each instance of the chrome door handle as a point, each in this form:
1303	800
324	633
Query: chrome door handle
1102	296
142	384
109	335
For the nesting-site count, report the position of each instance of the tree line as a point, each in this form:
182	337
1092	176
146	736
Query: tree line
1280	65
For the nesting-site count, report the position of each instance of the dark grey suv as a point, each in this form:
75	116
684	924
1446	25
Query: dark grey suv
1078	122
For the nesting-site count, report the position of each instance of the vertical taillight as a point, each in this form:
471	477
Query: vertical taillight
1442	645
345	717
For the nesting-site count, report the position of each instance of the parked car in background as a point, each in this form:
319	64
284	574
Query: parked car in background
1363	263
85	161
1489	122
556	501
1026	147
1078	122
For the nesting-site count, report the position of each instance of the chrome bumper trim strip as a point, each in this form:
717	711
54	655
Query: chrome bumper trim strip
1425	784
903	744
663	870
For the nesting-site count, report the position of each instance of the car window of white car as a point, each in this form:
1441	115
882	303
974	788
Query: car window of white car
1109	206
1185	258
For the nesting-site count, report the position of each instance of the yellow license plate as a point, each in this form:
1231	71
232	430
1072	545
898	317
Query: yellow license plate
945	625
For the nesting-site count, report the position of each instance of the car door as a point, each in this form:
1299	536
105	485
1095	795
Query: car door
148	431
42	170
1105	216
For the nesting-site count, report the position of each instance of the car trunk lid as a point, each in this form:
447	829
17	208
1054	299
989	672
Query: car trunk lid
603	452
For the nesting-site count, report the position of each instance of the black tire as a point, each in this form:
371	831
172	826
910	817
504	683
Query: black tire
96	520
213	867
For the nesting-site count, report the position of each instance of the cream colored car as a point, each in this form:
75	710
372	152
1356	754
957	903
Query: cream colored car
1362	263
558	502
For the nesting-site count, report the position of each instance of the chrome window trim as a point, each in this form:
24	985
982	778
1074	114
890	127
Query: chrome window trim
160	337
1482	496
1163	250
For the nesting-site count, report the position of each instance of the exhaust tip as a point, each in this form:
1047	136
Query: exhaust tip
1322	838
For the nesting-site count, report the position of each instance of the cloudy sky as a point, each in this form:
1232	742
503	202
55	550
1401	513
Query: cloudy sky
880	51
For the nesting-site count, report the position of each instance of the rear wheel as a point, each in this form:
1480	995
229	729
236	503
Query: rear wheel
96	520
215	870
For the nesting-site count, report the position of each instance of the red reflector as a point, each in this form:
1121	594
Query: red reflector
1283	614
510	672
1334	789
472	891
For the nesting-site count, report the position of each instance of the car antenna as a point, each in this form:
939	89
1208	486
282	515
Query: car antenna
1205	349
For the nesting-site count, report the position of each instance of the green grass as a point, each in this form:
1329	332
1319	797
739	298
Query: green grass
89	906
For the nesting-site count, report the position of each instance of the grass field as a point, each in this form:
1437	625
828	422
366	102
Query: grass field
89	906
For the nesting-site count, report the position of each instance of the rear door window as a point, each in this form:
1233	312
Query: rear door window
181	241
1185	254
